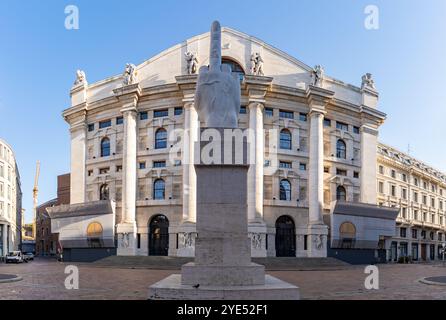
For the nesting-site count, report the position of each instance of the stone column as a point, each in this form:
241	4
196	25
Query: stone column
256	225
369	142
78	133
316	167
127	226
187	228
5	239
317	231
255	172
189	175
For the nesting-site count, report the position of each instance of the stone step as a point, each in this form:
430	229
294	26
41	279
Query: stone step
175	263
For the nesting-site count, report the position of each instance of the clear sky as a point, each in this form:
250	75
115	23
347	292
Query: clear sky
38	59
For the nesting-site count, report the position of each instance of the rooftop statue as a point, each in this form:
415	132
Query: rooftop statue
217	97
129	74
367	81
80	77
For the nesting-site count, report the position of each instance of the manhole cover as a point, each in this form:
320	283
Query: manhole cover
9	278
440	280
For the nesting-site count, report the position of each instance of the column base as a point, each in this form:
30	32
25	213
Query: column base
317	240
258	232
126	239
187	234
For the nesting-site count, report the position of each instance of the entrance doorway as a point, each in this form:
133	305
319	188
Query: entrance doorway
159	236
285	237
423	251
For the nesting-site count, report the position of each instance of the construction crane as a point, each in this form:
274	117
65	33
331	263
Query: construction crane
35	194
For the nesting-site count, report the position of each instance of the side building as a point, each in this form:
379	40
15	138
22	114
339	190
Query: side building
419	192
47	242
10	201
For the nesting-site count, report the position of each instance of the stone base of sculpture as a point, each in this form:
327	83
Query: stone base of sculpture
222	267
317	240
126	239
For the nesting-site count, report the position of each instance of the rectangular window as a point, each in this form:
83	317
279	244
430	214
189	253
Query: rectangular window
90	173
381	170
303	117
381	187
160	113
414	233
119	120
91	127
178	111
326	170
104	170
393	191
177	163
415	196
341	172
118	168
242	110
138	240
327	122
393	173
143	115
404	194
356	174
142	165
267	163
285	164
286	114
425	200
433	202
268	112
104	124
403	232
356	130
404	177
159	164
341	126
302	166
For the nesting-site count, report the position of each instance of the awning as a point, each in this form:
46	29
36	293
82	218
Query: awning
81	209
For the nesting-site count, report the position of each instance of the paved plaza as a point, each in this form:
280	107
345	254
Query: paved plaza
44	279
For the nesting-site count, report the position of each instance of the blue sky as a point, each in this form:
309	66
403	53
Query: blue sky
38	59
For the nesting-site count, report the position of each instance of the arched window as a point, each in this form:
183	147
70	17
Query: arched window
103	192
341	149
161	138
105	147
285	139
159	189
341	194
285	190
235	67
347	234
94	230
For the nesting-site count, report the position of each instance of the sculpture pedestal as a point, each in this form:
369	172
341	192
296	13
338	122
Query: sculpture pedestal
126	239
222	267
317	240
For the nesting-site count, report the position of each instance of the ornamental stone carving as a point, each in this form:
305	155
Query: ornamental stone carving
319	241
367	81
192	62
318	76
80	77
256	240
256	64
129	74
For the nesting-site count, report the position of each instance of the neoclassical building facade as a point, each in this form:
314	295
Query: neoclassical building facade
315	180
10	201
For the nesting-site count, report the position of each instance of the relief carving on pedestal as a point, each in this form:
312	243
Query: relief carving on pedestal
187	239
256	240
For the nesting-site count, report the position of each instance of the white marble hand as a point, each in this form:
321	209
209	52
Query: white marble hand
217	97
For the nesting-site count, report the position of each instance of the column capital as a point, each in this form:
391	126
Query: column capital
129	109
318	97
253	104
188	103
257	87
315	111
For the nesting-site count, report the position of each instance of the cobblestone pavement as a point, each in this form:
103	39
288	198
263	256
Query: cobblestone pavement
44	279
